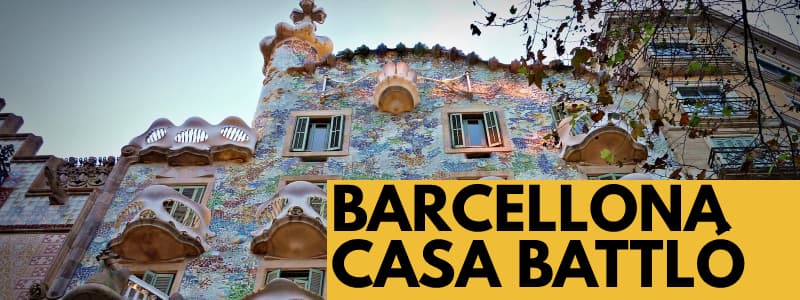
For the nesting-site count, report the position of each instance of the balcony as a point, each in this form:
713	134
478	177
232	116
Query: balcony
195	142
708	107
161	225
755	162
293	223
608	141
687	58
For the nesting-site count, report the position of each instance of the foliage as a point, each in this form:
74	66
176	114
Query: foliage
609	41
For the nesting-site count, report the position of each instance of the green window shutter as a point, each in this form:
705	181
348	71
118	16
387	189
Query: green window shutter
300	134
316	279
160	281
456	130
272	275
149	277
317	203
335	136
163	282
492	128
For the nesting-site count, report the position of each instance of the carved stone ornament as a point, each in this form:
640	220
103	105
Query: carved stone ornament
303	29
396	91
108	283
289	226
608	134
85	172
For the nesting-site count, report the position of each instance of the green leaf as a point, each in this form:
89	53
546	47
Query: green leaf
727	110
710	69
608	156
649	29
694	66
513	10
694	121
620	55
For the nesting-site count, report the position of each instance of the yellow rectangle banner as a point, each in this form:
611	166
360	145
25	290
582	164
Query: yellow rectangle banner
515	239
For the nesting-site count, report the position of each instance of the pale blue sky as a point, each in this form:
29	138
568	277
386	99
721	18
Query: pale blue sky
90	75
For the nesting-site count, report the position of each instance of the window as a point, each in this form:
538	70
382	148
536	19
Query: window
319	180
161	281
181	212
710	101
675	49
475	130
309	279
783	74
731	149
794	100
318	134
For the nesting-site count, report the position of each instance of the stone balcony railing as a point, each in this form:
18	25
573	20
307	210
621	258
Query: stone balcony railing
292	224
195	142
161	225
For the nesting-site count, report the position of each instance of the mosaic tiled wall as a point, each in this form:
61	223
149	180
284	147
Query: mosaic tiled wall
382	146
21	210
24	260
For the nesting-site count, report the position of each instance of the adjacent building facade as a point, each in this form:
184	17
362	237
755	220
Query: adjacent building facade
236	210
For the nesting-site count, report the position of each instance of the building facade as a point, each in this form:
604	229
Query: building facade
42	200
697	69
236	210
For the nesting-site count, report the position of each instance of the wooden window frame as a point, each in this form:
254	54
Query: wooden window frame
179	268
291	123
266	265
505	137
284	180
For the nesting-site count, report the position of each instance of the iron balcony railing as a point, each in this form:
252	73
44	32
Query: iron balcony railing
718	106
680	50
139	290
754	162
689	58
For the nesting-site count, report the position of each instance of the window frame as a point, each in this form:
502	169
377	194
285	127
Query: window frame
774	65
794	101
178	268
207	181
652	50
284	180
267	265
289	145
723	159
500	124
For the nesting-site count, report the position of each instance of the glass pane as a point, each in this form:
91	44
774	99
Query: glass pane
318	137
476	133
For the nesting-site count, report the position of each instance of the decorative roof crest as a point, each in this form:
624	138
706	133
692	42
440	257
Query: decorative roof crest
303	29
